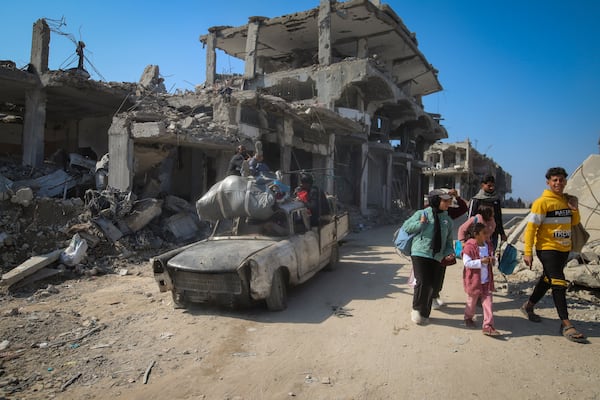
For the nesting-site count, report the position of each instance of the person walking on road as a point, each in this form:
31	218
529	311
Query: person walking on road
485	216
431	244
455	211
549	230
478	278
487	195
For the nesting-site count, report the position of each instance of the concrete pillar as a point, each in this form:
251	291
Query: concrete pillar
362	48
364	178
330	165
324	21
35	100
387	200
120	153
211	57
286	148
251	46
40	46
33	128
198	175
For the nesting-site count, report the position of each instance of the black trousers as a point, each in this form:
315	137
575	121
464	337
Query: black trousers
553	262
438	288
428	273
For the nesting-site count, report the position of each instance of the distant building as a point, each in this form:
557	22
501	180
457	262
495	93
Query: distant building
458	165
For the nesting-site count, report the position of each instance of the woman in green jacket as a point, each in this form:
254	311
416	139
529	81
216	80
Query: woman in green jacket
432	243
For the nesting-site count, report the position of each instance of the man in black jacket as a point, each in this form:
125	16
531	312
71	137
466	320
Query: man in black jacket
235	164
487	195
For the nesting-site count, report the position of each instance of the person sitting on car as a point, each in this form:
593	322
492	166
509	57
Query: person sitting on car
314	198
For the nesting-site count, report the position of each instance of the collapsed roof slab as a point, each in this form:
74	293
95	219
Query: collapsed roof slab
73	97
67	96
375	86
14	84
283	38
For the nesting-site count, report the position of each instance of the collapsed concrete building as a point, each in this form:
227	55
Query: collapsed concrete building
336	90
459	165
353	78
43	110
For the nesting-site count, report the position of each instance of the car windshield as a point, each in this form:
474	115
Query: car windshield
277	225
225	227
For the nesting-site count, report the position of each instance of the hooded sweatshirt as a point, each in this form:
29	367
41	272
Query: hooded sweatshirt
549	224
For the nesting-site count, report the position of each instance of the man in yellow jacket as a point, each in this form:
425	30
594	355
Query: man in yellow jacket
549	230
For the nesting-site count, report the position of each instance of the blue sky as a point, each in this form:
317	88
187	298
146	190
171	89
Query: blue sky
521	78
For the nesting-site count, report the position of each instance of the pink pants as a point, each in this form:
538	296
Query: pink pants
486	304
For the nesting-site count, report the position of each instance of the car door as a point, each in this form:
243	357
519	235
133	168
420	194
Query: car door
306	245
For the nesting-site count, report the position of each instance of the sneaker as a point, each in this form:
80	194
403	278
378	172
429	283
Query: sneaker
469	323
490	331
437	303
415	317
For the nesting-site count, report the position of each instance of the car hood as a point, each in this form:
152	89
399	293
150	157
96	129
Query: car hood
217	255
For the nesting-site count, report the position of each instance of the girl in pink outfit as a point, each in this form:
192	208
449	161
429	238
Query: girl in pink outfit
478	278
485	216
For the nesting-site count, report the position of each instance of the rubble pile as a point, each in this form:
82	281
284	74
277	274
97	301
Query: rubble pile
36	232
202	115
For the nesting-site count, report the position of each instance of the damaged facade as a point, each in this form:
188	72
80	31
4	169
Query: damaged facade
353	77
458	165
42	111
325	90
335	90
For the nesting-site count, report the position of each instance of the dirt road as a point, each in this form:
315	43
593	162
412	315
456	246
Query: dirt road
346	335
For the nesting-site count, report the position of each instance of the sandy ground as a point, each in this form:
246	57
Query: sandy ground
346	335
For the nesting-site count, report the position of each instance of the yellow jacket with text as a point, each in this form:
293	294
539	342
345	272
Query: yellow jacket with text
549	224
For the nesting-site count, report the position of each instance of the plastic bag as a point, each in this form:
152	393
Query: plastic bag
236	196
412	280
75	252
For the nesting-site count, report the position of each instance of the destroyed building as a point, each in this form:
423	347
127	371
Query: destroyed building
336	90
325	90
459	165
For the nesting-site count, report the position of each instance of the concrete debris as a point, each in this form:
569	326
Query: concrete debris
151	80
142	213
112	224
584	275
109	229
23	196
182	226
584	183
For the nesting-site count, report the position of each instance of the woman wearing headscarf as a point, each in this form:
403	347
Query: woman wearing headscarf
431	244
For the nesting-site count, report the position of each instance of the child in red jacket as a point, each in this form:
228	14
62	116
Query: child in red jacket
478	278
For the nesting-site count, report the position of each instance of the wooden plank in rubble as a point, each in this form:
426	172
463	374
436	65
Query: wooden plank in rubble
29	267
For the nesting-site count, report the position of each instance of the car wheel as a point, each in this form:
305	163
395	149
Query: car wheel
277	299
334	259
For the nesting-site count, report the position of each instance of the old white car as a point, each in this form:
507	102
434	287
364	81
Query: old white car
246	260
